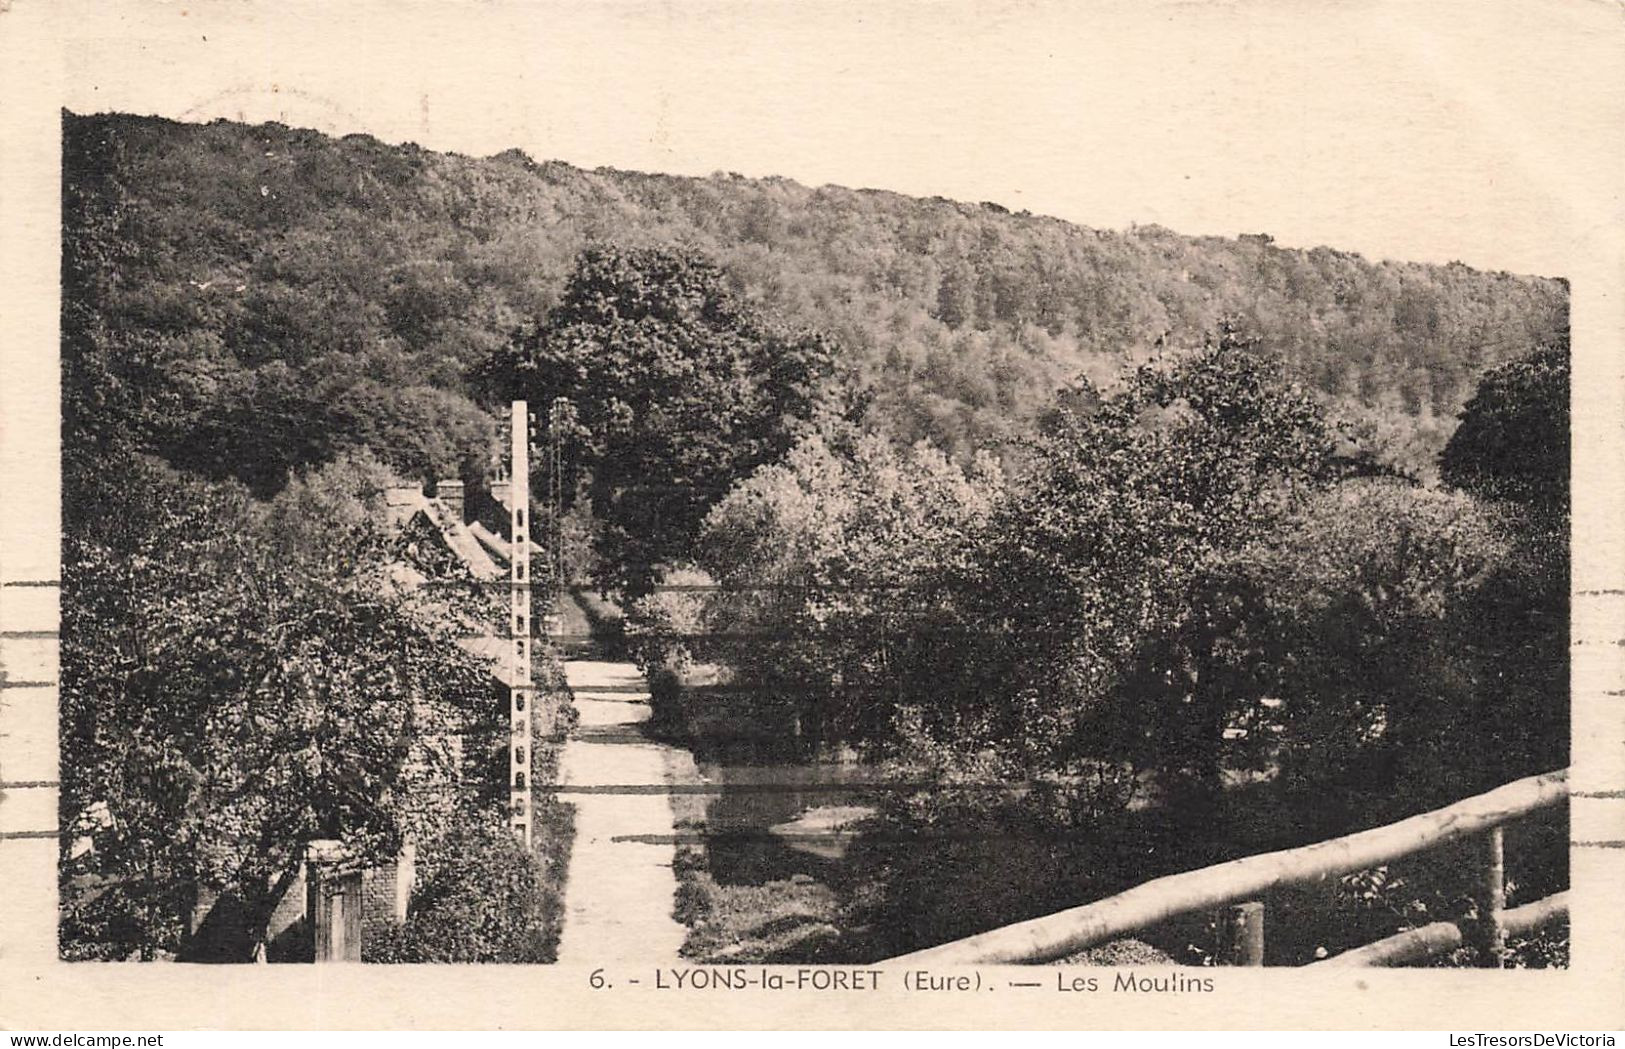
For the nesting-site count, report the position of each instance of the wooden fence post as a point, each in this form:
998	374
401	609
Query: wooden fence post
1211	888
1242	934
1493	901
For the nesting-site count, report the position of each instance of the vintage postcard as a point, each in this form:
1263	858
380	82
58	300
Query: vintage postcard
835	515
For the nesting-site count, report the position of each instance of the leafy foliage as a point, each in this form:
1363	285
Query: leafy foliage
665	626
285	295
827	566
1513	441
676	390
482	897
228	695
1107	565
1416	657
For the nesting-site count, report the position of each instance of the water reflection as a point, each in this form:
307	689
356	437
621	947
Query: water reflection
777	812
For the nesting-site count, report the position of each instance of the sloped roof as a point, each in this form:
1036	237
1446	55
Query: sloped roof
401	503
462	541
496	652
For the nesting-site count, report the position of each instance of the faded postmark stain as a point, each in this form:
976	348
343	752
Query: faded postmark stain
248	102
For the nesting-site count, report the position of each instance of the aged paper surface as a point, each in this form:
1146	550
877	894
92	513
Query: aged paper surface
1489	132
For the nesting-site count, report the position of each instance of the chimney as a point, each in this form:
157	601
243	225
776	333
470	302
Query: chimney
451	493
502	492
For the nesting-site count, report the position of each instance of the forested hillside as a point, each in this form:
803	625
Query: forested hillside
1171	568
269	296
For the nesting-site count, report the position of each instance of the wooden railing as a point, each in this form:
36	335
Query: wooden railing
1239	883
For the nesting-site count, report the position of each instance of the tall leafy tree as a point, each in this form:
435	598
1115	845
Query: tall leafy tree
226	700
1106	571
1376	622
1513	441
1512	449
829	569
677	386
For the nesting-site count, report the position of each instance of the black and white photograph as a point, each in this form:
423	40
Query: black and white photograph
963	513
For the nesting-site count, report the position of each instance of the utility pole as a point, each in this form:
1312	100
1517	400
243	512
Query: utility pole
520	692
557	413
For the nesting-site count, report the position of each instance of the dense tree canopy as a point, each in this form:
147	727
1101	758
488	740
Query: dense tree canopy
1184	579
213	331
1513	441
677	388
258	297
229	694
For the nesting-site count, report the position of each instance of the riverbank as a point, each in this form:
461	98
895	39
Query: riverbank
761	818
785	859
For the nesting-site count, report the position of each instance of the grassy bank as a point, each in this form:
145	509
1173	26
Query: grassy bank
592	625
553	825
553	837
792	920
937	867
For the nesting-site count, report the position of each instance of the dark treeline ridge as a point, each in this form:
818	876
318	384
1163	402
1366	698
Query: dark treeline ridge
249	299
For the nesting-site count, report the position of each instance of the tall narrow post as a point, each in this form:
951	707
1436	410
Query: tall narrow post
559	416
520	693
1491	930
1242	934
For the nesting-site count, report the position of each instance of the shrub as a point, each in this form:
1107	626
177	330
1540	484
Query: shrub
661	627
484	897
830	568
232	688
1513	442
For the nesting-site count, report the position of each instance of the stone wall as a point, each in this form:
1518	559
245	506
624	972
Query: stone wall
371	900
218	928
386	890
450	492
